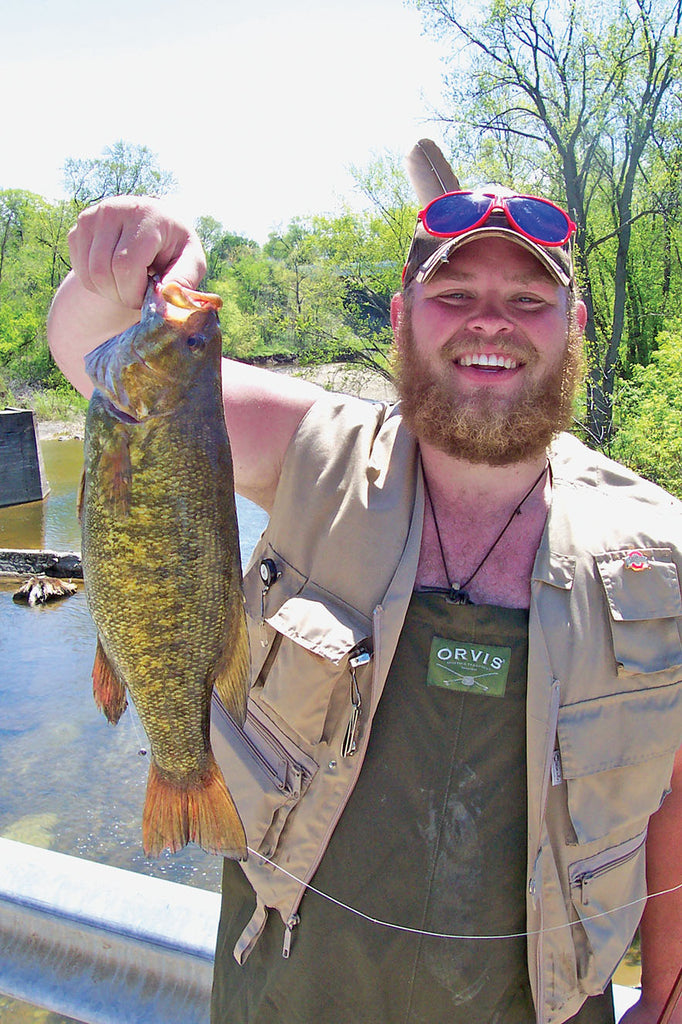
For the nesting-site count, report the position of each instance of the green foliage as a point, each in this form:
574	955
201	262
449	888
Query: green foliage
581	103
34	256
123	169
320	289
649	437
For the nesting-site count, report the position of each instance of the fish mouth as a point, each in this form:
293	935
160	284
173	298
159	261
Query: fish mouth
175	303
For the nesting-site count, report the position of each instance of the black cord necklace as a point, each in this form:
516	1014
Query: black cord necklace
458	593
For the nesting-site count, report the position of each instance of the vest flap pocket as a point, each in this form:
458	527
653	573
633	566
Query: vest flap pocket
608	891
616	756
321	623
643	593
296	607
315	633
264	770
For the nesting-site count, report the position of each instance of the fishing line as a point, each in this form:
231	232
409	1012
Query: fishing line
448	935
140	735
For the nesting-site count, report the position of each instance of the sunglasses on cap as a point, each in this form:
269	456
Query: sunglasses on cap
456	213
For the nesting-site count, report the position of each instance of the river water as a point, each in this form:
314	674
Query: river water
72	782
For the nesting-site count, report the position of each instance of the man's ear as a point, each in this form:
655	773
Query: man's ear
581	315
397	309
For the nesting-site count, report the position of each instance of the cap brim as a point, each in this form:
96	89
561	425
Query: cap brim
443	253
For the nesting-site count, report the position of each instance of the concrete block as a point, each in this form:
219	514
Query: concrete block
22	478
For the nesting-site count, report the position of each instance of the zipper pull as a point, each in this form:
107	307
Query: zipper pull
350	739
349	745
557	771
288	933
584	883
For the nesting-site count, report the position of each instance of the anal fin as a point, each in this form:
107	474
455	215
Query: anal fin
109	692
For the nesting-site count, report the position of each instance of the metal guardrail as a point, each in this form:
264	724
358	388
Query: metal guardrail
101	944
108	946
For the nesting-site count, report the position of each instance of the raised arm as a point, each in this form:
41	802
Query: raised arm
115	246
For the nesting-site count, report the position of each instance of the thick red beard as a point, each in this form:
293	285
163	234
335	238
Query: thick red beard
480	428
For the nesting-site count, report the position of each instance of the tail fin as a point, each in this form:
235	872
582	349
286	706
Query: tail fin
203	813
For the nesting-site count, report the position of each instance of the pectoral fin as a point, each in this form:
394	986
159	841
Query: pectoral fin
116	471
81	497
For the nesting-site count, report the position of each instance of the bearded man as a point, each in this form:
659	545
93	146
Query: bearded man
466	704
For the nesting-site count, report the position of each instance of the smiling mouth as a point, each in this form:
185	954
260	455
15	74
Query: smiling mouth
488	362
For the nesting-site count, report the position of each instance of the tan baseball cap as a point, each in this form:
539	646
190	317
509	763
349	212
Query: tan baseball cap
428	252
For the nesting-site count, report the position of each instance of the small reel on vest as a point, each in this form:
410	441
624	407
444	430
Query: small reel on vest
269	574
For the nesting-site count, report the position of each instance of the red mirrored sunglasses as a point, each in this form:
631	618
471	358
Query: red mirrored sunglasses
456	213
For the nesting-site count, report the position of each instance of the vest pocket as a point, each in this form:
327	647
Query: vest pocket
310	635
643	595
265	772
617	757
601	887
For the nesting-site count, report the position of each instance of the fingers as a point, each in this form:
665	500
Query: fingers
118	243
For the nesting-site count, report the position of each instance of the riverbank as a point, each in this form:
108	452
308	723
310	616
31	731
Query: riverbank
346	378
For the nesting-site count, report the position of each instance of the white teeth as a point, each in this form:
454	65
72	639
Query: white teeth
481	359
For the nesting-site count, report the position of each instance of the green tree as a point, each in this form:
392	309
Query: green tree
221	247
649	439
13	205
578	96
123	169
366	252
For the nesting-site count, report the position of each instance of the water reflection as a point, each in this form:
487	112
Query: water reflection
73	783
51	523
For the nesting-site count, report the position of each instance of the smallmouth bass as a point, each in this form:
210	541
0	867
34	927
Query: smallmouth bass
161	560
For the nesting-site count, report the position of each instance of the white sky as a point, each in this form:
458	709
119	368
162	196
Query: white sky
258	109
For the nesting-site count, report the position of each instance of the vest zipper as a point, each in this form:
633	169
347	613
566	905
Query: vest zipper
297	770
584	879
294	918
535	883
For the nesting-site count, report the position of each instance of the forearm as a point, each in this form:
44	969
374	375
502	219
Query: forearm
80	320
661	925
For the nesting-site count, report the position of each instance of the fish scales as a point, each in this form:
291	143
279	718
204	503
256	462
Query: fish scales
161	562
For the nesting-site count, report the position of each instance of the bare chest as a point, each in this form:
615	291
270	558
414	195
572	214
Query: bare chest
465	552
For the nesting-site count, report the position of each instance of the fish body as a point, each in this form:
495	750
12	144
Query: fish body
161	560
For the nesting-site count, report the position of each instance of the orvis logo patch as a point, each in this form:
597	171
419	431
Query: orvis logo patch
468	668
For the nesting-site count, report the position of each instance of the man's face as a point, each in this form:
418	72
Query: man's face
487	364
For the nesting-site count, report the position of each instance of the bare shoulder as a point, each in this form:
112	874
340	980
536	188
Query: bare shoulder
262	411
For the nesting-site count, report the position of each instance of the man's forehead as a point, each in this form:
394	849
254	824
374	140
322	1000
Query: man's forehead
511	261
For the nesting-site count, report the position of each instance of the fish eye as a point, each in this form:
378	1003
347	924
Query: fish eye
196	342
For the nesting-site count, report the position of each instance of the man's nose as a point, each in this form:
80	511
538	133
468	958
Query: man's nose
490	318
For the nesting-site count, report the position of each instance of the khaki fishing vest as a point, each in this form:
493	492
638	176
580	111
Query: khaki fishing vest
327	590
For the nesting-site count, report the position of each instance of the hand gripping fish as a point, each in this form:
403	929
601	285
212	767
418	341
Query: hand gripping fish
161	559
